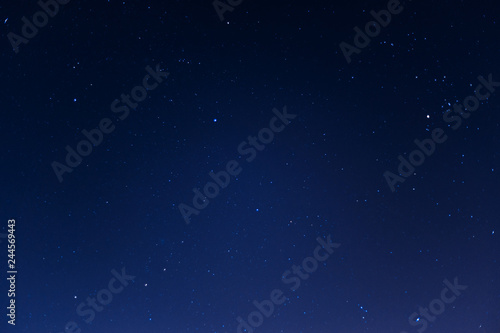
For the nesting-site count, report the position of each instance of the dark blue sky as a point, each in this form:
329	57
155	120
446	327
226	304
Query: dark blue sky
211	97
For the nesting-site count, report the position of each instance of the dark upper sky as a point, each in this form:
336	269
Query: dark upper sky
302	145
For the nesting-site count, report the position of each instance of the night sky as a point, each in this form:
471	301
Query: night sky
250	166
